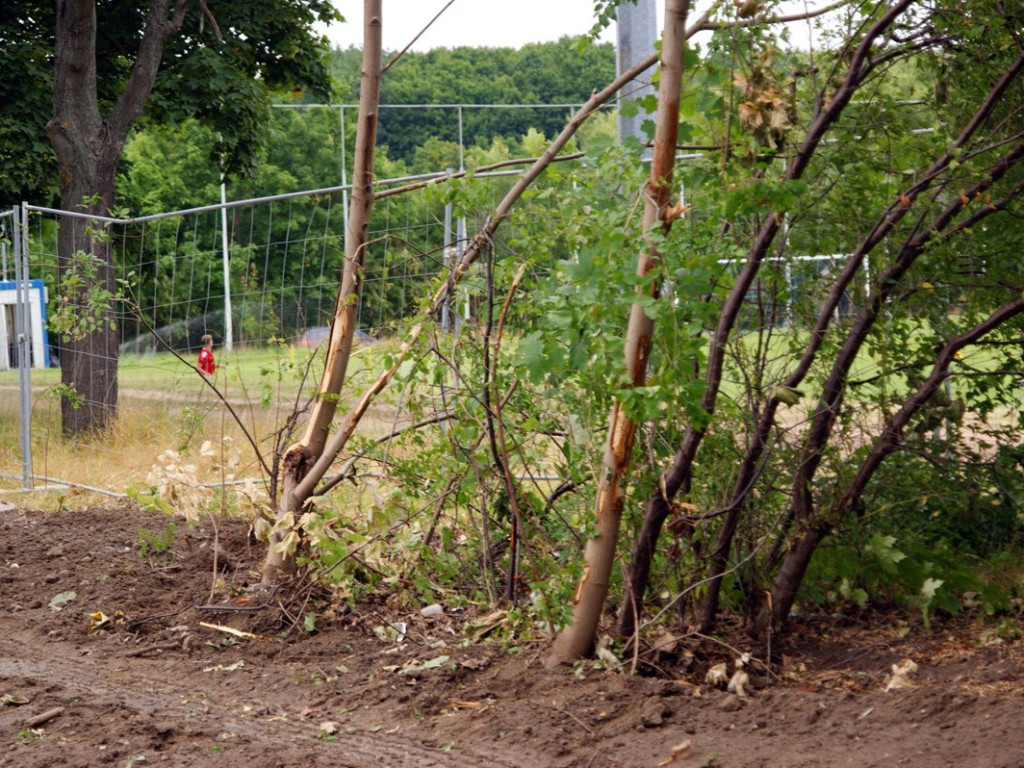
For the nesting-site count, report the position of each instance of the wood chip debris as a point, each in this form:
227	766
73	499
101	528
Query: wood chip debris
236	632
682	749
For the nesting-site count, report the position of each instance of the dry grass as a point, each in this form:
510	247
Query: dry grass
162	406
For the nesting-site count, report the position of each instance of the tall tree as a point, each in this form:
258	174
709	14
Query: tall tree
301	457
103	63
577	639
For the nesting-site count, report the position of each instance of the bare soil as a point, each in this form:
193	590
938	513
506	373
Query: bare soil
163	682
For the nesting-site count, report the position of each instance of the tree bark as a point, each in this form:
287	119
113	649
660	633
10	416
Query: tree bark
577	640
88	148
303	455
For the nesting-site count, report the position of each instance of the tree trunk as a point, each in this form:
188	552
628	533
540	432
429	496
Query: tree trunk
812	526
811	530
301	457
577	640
659	506
88	148
88	352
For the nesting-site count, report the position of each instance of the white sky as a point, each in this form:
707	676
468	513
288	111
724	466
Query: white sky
490	23
495	23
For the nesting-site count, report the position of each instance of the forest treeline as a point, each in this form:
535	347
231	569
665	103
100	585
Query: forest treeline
562	72
170	167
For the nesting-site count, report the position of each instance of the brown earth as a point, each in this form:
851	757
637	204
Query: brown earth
155	686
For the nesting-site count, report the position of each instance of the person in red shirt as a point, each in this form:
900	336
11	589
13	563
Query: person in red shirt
206	362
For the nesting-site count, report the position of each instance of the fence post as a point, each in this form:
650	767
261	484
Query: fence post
446	249
3	244
460	248
229	334
23	334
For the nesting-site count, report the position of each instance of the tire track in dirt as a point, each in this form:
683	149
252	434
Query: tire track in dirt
95	696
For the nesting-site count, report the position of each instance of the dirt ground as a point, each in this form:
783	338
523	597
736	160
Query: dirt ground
113	653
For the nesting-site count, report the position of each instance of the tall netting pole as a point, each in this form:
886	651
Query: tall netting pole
229	333
637	35
23	334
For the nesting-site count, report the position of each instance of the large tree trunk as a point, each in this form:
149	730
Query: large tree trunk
89	348
577	640
301	457
88	148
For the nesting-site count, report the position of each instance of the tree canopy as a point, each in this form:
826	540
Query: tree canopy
110	67
266	46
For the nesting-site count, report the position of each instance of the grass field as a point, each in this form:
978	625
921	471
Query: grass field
164	404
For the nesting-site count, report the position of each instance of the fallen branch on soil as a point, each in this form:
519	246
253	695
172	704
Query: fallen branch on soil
232	608
236	632
170	646
45	717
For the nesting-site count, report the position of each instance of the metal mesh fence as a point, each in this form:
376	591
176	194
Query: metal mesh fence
260	276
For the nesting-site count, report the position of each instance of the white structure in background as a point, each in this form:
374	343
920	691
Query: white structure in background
637	36
39	339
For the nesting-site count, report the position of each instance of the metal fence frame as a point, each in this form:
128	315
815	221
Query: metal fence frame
18	217
15	221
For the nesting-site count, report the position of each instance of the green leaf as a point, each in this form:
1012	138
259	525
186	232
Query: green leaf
881	547
405	369
629	108
858	595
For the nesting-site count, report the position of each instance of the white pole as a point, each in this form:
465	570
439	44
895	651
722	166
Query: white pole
344	181
446	320
462	144
460	248
637	33
23	334
228	328
3	254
